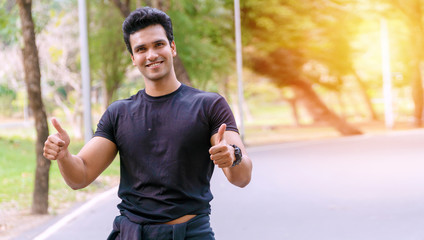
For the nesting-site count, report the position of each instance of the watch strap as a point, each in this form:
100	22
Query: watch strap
237	154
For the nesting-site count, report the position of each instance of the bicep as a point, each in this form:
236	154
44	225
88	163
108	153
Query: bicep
97	155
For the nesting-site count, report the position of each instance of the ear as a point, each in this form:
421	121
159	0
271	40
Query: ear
174	49
132	59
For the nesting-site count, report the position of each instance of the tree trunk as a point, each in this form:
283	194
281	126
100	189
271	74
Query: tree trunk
32	79
365	96
416	79
180	71
318	110
107	95
413	12
138	3
294	110
341	104
124	7
417	84
417	95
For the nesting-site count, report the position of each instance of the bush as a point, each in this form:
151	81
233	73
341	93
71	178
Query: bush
7	96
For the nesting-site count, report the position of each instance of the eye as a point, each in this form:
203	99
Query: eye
140	49
159	44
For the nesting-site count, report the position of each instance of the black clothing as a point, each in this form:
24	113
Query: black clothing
163	143
197	228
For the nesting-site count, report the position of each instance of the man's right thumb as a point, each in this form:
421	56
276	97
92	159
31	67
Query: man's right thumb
57	125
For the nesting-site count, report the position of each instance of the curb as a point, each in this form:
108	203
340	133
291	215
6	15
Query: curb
71	216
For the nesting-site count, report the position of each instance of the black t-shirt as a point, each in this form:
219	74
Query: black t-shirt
163	143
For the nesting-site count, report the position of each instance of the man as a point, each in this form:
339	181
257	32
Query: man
169	137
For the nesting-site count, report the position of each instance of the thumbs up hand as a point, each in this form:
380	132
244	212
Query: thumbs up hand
56	145
221	153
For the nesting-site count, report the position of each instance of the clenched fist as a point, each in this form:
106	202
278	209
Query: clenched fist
222	154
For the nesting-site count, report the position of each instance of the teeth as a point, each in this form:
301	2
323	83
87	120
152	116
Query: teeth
154	64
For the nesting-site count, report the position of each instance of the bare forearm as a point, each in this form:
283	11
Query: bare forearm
82	169
241	174
72	168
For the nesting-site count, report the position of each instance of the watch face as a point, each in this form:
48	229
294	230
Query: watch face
238	153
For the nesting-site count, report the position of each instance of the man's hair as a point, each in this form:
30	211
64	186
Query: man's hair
145	17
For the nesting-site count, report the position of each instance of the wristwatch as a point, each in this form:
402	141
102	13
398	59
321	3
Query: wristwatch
237	153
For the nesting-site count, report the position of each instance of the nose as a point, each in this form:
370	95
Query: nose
152	55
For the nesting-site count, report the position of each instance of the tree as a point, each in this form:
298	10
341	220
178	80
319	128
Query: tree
204	35
32	79
413	12
106	33
334	28
283	67
408	31
59	55
277	36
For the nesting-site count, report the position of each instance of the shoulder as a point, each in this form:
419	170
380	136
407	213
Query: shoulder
210	102
124	104
196	94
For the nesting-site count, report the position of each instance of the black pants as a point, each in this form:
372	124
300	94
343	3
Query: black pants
197	228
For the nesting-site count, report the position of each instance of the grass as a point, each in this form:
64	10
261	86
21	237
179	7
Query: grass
17	169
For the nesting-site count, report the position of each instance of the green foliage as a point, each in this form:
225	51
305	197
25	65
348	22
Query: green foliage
290	34
6	91
276	35
333	32
271	25
55	53
7	96
61	91
204	36
9	18
108	55
42	12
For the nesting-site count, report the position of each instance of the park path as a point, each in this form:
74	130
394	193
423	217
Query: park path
359	188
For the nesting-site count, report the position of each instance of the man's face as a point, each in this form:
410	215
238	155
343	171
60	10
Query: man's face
152	53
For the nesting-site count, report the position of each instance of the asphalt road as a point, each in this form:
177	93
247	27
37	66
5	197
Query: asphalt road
359	188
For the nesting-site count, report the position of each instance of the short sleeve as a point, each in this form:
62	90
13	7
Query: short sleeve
105	127
220	112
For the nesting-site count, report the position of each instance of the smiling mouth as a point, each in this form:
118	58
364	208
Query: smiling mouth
155	64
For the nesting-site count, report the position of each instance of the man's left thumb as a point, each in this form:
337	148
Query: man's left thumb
221	132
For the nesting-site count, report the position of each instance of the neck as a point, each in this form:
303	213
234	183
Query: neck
162	87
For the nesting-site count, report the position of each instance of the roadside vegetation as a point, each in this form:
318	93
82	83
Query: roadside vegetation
17	174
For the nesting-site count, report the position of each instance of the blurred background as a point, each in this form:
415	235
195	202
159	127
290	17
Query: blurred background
311	69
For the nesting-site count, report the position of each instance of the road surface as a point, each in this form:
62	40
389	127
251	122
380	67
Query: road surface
359	188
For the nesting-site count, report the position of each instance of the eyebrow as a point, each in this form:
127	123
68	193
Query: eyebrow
142	45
